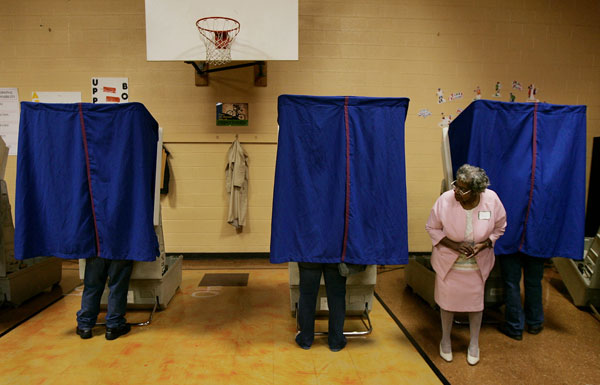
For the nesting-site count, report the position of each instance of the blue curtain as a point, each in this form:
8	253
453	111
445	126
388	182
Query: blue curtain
340	182
548	220
85	181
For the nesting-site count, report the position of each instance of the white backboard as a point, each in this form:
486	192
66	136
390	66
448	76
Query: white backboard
269	29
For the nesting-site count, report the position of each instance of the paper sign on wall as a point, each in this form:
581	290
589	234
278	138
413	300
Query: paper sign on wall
531	93
446	120
497	88
110	90
9	118
455	96
440	96
56	97
232	114
516	85
424	112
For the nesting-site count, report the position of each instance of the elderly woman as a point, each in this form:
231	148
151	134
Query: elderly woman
463	225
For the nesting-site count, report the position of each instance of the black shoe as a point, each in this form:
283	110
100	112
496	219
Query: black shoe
114	333
84	333
302	345
534	329
337	348
504	329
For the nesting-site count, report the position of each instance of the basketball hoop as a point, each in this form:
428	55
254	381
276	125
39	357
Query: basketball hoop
218	33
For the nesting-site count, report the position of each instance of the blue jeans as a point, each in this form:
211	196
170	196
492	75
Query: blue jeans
335	284
533	272
97	270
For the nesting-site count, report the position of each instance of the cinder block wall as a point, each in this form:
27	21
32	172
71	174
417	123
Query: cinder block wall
353	47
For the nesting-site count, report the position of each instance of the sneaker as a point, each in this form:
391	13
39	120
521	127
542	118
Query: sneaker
114	333
505	329
84	333
535	329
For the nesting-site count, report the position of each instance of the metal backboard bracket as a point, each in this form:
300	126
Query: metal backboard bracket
203	69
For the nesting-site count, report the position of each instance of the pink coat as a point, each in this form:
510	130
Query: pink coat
448	219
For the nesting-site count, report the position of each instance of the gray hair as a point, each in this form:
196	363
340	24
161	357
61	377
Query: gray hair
473	176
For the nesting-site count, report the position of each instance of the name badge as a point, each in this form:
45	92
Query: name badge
485	215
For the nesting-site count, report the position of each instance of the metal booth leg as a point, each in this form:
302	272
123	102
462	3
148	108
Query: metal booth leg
145	323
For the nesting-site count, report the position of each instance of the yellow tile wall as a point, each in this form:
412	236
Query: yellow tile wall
403	48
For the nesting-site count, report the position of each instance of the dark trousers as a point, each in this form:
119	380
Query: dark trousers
335	284
533	272
97	270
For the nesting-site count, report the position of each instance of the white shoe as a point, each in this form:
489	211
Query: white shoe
472	360
445	356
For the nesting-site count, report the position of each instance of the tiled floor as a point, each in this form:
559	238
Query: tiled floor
567	351
229	335
208	335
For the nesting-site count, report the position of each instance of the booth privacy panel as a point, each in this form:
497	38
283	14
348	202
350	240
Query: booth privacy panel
340	182
534	155
85	181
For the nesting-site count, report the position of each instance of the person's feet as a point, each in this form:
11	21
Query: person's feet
84	333
300	343
534	329
446	353
114	333
305	347
337	348
505	329
473	355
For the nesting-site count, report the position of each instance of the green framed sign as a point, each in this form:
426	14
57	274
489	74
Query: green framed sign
232	114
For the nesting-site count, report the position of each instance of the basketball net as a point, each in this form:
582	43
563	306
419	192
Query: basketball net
218	34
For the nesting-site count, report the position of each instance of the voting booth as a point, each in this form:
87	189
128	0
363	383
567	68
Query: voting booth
534	155
152	284
20	280
340	191
88	178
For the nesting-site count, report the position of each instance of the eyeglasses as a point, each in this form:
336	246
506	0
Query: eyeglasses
458	189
